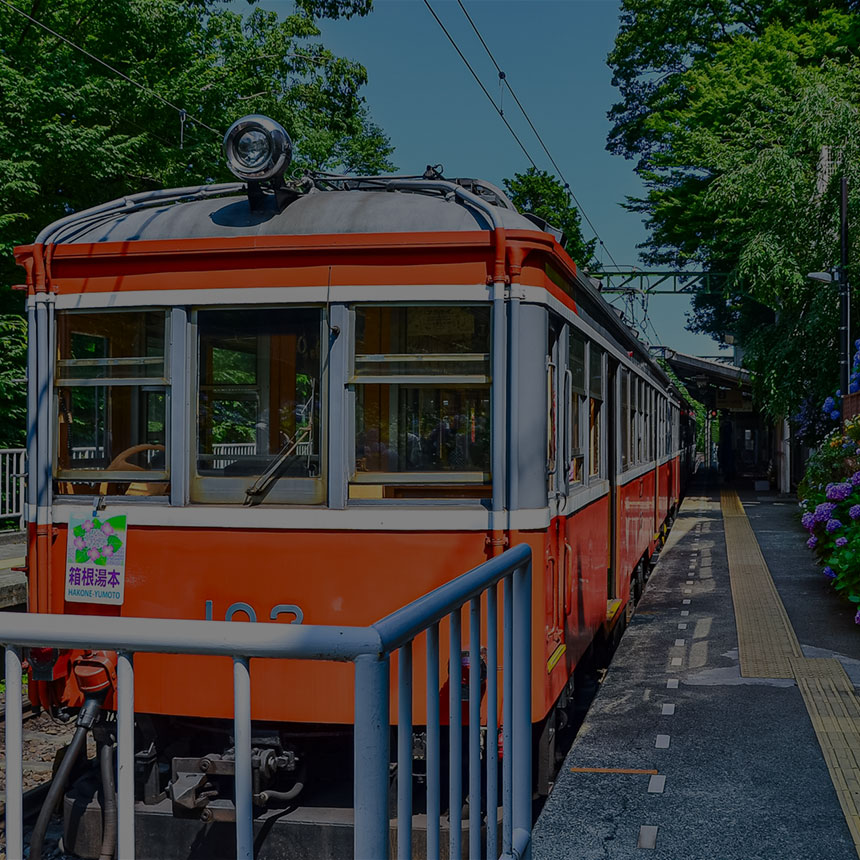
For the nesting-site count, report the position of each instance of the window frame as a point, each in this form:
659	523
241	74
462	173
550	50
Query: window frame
435	479
154	383
287	491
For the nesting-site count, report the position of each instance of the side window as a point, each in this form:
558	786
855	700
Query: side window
625	419
595	409
578	406
259	428
422	402
634	422
112	403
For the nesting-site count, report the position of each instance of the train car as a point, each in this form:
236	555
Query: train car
312	402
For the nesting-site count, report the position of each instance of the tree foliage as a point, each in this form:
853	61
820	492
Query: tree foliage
542	194
734	113
73	133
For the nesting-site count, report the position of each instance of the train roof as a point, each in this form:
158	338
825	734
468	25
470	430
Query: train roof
360	205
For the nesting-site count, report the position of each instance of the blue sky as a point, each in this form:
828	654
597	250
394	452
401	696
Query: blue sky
554	55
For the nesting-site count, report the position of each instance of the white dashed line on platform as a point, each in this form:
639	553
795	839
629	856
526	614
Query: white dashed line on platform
672	684
668	710
662	742
656	784
647	837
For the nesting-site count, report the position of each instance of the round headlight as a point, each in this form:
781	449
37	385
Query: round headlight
257	147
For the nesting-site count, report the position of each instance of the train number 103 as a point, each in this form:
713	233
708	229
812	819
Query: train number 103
247	610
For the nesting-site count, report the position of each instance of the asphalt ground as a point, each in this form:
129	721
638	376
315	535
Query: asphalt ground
744	774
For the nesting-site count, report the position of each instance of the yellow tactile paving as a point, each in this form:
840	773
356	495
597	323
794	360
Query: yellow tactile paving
768	648
766	639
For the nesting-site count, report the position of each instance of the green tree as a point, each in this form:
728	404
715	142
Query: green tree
74	134
542	194
731	154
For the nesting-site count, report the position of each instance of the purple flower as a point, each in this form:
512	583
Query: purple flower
808	520
833	525
812	542
839	492
835	414
824	511
79	543
830	573
857	617
855	478
841	541
854	512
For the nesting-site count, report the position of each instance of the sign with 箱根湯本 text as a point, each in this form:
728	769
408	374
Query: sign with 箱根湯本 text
95	559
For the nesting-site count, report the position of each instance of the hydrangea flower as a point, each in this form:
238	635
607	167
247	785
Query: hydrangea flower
812	542
857	617
830	573
824	511
839	492
855	479
853	388
833	525
808	520
835	414
841	541
829	405
854	512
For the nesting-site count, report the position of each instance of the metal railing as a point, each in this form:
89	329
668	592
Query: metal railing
12	480
369	649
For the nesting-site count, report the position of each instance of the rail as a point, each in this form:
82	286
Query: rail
369	649
12	481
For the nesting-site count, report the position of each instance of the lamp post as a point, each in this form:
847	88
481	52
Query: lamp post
840	276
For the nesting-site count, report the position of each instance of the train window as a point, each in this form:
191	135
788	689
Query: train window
625	421
578	405
632	433
640	420
258	421
595	409
111	403
422	402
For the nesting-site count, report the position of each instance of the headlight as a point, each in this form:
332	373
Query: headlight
257	147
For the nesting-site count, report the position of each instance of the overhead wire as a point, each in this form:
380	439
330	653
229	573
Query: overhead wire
486	92
503	79
183	114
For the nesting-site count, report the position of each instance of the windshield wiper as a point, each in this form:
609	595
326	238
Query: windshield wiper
261	487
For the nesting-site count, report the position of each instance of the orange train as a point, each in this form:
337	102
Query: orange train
314	401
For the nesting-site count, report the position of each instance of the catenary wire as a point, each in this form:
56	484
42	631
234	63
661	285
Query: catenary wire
479	82
503	78
124	76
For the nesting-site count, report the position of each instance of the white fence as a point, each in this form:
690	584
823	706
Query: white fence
12	478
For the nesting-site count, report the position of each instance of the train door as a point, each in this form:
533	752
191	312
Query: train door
613	388
557	483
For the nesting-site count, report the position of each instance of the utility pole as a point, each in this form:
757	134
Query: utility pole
844	294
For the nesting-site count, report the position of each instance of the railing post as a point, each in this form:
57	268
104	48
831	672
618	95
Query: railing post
404	753
434	746
14	776
125	754
242	736
370	837
522	700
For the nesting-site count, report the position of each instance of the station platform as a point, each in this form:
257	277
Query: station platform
728	724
